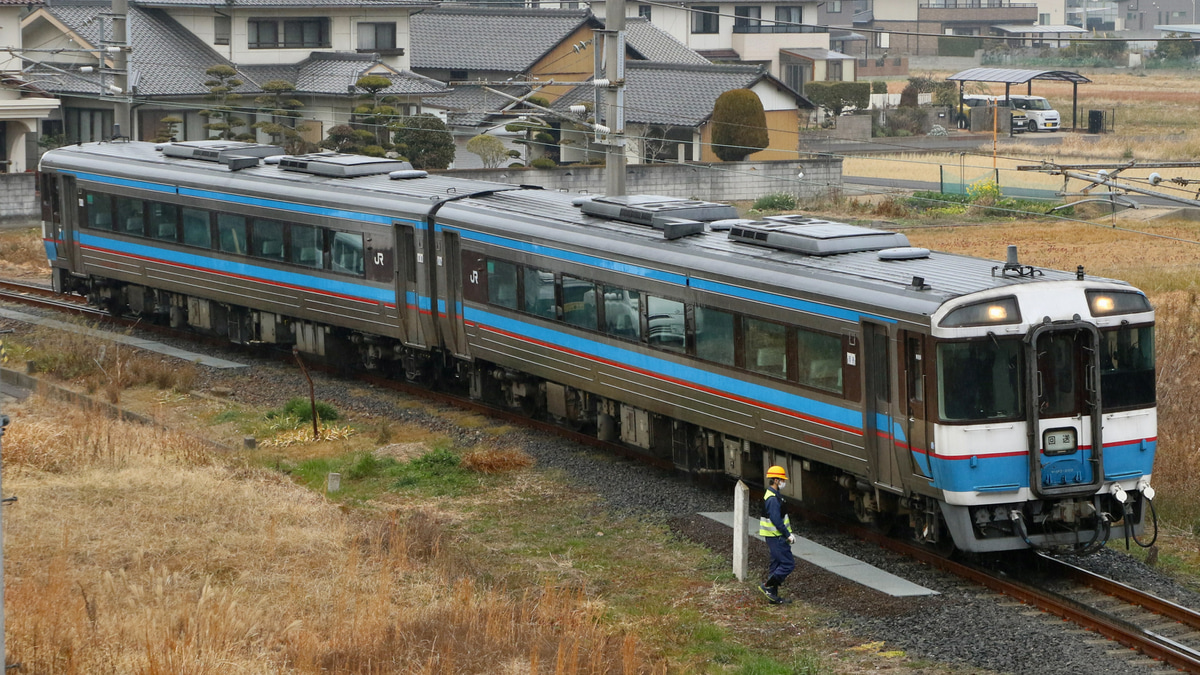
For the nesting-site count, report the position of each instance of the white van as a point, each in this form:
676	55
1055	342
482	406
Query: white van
1038	111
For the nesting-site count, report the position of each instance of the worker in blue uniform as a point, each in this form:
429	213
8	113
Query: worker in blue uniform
776	527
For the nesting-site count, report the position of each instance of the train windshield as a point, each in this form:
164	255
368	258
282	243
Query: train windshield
1127	367
981	380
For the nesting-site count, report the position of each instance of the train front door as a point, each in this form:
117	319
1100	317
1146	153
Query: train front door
878	436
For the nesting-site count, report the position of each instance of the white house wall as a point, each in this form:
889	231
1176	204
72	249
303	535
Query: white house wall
10	36
48	36
772	98
896	10
343	33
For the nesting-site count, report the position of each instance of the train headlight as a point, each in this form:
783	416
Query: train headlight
1104	303
1000	310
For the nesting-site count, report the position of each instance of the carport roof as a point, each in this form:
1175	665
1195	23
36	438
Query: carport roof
1039	29
1015	76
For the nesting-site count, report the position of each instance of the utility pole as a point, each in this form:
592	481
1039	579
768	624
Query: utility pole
120	37
610	97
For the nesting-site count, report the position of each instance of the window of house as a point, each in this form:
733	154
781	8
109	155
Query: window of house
85	125
834	7
372	36
296	33
705	19
747	18
458	75
1044	19
221	30
644	11
788	16
883	40
833	71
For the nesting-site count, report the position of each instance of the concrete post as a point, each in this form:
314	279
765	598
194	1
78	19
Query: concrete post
741	532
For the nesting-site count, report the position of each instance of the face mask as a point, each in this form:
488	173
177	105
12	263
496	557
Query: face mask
782	484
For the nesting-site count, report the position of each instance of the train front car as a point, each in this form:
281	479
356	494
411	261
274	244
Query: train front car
1046	426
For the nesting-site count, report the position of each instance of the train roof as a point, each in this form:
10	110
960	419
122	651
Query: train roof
882	277
899	278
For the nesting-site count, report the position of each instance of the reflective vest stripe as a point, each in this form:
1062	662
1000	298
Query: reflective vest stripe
765	527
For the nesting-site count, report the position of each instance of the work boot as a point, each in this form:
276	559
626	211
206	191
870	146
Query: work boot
772	595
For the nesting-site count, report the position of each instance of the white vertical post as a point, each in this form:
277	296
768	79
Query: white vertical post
741	533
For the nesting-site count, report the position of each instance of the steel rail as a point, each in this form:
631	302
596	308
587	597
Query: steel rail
1116	629
1153	603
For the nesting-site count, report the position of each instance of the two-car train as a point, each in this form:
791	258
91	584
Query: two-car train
994	405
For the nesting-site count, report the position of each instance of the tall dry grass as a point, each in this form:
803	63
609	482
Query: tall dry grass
1177	462
22	254
133	551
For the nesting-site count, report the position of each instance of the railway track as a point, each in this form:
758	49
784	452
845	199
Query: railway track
1160	629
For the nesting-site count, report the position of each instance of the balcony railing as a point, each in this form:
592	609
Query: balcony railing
973	4
777	28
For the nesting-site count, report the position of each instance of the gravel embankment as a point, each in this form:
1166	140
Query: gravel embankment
965	625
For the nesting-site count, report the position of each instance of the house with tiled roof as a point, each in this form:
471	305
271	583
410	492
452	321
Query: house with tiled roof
322	47
522	52
762	32
669	106
22	102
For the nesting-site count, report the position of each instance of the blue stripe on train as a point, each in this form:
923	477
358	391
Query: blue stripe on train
254	272
1011	472
844	417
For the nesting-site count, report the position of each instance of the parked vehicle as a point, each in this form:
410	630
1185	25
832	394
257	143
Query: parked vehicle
1041	116
1020	119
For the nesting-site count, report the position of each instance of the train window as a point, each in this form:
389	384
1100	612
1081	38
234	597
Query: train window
131	216
306	246
766	348
714	336
579	302
1127	368
196	228
231	233
164	221
346	253
819	357
539	293
502	284
666	326
622	313
99	211
267	236
981	380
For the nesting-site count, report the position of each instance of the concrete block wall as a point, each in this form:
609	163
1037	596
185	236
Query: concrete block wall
713	181
18	196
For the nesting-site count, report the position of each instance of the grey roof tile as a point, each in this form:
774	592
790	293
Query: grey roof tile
166	59
335	73
366	5
472	105
672	93
479	38
654	44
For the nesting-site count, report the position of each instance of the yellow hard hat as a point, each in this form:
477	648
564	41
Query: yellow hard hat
777	472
